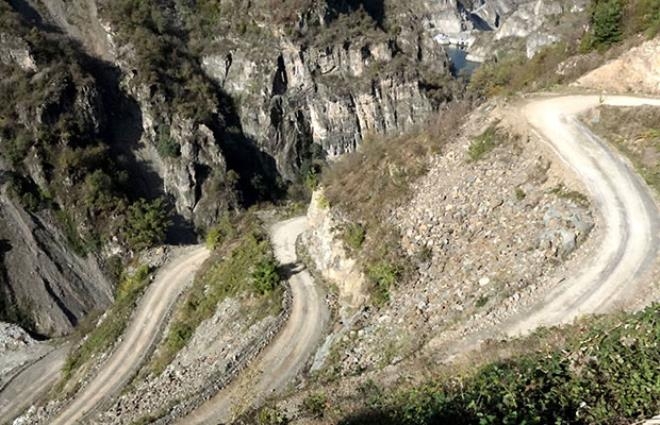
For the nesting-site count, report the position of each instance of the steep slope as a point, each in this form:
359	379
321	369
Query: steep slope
630	216
213	106
64	199
286	356
47	287
636	70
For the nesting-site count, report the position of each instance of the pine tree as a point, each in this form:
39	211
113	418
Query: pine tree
606	18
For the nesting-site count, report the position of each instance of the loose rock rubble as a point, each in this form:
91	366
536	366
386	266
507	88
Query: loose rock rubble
484	235
217	345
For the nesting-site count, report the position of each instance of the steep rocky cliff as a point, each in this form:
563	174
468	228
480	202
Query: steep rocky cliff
332	93
290	82
206	106
270	97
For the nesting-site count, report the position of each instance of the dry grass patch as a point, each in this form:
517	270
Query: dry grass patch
380	172
635	131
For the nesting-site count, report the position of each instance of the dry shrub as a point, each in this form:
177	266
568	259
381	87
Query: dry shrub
377	176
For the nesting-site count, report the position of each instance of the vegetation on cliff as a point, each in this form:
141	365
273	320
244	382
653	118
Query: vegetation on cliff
612	24
371	181
242	264
54	141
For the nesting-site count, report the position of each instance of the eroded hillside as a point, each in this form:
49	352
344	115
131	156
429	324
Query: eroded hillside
445	207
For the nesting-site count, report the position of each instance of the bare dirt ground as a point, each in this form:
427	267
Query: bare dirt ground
287	355
32	383
637	70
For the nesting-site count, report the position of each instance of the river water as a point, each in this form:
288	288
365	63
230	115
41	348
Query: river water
459	65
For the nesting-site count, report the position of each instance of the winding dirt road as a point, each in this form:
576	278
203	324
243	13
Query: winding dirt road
287	355
31	383
139	338
629	219
630	227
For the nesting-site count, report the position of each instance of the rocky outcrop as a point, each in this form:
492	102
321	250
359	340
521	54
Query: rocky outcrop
636	71
80	20
484	236
16	50
194	174
290	94
51	286
527	18
327	253
483	27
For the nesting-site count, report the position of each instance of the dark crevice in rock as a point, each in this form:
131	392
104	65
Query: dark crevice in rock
280	80
202	173
228	62
31	15
480	24
358	127
60	304
374	8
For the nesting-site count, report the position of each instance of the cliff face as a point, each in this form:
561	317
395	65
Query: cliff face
303	79
289	90
331	95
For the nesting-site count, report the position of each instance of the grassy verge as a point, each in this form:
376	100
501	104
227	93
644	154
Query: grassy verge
103	336
242	264
485	143
381	171
636	133
604	370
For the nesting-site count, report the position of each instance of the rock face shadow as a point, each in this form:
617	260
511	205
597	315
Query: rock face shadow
123	131
286	271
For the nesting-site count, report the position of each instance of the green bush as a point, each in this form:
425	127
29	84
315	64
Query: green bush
219	233
271	416
316	403
167	146
606	372
606	18
382	275
484	143
266	276
354	235
482	301
242	263
613	20
146	223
